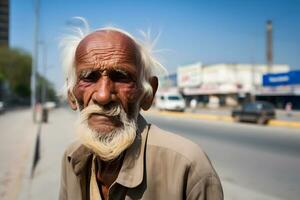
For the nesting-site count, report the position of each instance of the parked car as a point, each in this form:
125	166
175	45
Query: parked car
49	105
1	107
259	112
170	101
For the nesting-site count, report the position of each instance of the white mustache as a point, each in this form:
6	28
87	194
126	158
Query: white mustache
114	110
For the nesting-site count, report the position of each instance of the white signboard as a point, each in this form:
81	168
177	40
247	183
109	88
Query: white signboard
190	75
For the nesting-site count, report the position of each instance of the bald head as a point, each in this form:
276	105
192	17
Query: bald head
106	48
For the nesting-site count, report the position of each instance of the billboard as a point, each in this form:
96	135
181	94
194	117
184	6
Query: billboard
280	79
189	76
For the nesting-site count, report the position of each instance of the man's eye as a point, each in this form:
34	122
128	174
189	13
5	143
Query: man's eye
90	77
118	76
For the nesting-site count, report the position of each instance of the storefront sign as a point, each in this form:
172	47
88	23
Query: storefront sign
290	78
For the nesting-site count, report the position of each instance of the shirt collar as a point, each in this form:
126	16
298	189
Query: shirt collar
79	157
132	170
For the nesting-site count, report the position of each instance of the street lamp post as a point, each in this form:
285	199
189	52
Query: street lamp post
269	45
35	60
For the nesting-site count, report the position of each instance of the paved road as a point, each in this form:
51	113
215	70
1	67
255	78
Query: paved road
262	159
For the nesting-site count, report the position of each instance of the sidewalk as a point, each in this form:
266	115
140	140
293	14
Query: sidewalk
18	133
54	138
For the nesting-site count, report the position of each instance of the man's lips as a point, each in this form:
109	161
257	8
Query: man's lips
99	119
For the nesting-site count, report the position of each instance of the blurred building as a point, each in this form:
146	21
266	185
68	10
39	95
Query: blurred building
167	84
190	76
4	23
167	81
223	84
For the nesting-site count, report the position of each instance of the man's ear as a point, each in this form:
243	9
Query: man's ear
72	100
148	99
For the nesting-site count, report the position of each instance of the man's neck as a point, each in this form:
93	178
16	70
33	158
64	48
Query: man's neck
107	173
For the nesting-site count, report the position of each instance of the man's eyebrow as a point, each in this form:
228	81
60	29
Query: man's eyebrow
124	69
85	72
121	71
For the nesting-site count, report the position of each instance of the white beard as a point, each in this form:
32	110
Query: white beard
107	146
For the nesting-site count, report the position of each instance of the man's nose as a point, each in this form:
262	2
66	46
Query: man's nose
103	91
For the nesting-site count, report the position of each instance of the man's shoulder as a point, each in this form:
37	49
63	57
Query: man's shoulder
175	143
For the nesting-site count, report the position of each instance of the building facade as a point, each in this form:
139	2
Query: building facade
4	23
223	84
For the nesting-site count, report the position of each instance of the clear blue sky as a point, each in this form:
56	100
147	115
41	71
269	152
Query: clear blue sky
209	31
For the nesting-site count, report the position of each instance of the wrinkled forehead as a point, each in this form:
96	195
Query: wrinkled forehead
106	48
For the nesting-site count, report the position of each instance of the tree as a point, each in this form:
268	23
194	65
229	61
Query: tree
15	69
15	65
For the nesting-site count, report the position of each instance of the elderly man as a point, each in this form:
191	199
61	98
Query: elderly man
118	155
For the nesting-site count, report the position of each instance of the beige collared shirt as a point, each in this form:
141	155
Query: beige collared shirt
94	189
158	165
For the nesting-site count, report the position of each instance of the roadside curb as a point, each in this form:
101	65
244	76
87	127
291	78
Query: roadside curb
27	176
291	124
225	118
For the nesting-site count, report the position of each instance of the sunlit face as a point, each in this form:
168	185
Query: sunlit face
107	74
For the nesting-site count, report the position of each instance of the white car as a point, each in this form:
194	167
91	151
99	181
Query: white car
170	101
49	105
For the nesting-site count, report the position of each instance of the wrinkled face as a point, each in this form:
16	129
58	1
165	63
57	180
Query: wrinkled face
107	74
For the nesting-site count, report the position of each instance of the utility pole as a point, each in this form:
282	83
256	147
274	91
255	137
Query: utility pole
44	84
269	52
35	59
253	75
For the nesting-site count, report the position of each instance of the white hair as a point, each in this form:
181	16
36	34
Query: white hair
150	66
